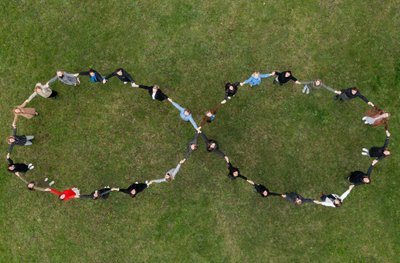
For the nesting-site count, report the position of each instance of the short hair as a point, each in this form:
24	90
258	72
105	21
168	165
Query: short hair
354	88
188	111
119	69
9	139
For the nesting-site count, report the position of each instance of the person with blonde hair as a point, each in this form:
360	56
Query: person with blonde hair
66	78
41	90
255	78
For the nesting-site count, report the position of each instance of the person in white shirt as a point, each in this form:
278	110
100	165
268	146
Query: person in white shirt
170	175
41	90
334	200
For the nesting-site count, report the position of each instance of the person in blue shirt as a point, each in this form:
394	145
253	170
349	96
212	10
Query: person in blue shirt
255	78
93	75
185	114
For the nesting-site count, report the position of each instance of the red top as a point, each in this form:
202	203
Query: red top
69	193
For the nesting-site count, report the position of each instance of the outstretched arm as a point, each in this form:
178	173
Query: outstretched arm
345	194
327	88
371	167
263	76
176	105
194	124
52	80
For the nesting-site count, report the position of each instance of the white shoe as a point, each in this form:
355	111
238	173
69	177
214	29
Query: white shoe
51	183
364	153
125	82
134	85
223	102
365	149
364	118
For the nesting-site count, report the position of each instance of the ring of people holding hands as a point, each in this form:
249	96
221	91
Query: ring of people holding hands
374	117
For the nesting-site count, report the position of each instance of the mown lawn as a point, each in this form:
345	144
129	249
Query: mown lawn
96	135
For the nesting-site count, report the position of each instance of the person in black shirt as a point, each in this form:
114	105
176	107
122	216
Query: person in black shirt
212	146
296	199
262	190
18	167
233	171
93	75
123	76
133	189
20	140
283	77
378	152
103	193
155	92
230	91
359	177
351	93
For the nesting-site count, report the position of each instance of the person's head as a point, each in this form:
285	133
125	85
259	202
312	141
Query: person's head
91	72
11	168
288	74
96	194
212	146
119	71
366	180
318	82
17	110
133	193
10	139
38	88
187	112
386	152
231	88
60	73
62	197
337	203
209	114
256	74
265	193
155	88
194	146
31	186
298	201
236	173
354	90
168	177
386	115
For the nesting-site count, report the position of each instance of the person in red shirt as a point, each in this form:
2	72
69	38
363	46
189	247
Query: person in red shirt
66	194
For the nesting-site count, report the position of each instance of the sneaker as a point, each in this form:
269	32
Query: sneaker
51	183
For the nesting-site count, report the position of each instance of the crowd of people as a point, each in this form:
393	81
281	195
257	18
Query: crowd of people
375	117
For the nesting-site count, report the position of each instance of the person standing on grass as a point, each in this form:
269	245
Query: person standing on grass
378	152
20	140
41	90
17	167
262	190
234	172
155	92
185	114
212	146
94	76
315	84
334	200
133	189
123	76
66	194
28	113
170	175
359	177
284	77
192	146
255	78
210	115
65	77
351	93
230	91
102	193
376	117
296	199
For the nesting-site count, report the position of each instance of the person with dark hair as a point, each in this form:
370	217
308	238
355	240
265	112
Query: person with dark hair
66	78
351	93
334	200
234	172
376	117
66	194
283	77
133	189
210	115
94	76
185	114
296	199
378	152
230	91
212	146
17	167
123	76
255	78
170	175
102	193
155	92
359	177
315	84
262	190
192	146
41	90
21	140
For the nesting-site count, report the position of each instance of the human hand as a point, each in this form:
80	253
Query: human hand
8	156
223	102
338	92
387	133
371	104
374	162
76	74
182	161
104	81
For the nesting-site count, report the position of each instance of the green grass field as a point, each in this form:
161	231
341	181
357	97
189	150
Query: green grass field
96	135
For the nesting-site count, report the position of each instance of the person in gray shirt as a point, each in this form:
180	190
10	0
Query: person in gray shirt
170	175
192	146
315	84
66	78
